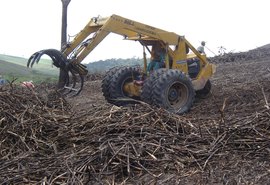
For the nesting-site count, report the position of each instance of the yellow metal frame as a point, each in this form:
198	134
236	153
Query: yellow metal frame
98	28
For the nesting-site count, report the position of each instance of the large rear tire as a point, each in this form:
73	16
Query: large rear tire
173	90
116	88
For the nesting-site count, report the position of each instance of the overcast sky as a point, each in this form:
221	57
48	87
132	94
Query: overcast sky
239	25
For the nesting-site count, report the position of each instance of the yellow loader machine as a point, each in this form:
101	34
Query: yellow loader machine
176	73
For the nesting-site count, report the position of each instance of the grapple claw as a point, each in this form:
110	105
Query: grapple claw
60	61
71	88
32	59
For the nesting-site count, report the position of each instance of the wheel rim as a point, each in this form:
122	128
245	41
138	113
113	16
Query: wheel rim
126	80
177	95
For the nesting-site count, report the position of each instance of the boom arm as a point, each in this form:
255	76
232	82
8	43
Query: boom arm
70	58
99	28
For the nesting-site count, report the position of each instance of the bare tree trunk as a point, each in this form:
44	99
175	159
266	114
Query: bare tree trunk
65	3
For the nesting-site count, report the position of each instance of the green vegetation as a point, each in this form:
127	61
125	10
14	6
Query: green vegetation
104	65
12	67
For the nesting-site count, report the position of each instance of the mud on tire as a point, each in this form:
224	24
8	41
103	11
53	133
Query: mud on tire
205	91
173	91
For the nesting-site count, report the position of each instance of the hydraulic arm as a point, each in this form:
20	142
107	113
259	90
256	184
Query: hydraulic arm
70	58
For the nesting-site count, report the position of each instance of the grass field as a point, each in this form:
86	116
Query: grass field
12	67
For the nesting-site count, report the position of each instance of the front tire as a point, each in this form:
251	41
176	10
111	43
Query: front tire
174	91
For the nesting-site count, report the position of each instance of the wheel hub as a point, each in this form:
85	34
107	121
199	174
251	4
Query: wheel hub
173	94
177	95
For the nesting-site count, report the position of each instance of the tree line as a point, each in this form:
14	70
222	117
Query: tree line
104	65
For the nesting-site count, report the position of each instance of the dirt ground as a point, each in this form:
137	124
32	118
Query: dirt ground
240	94
224	139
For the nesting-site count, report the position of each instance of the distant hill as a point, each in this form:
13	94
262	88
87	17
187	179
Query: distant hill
104	65
15	67
44	66
12	67
267	46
